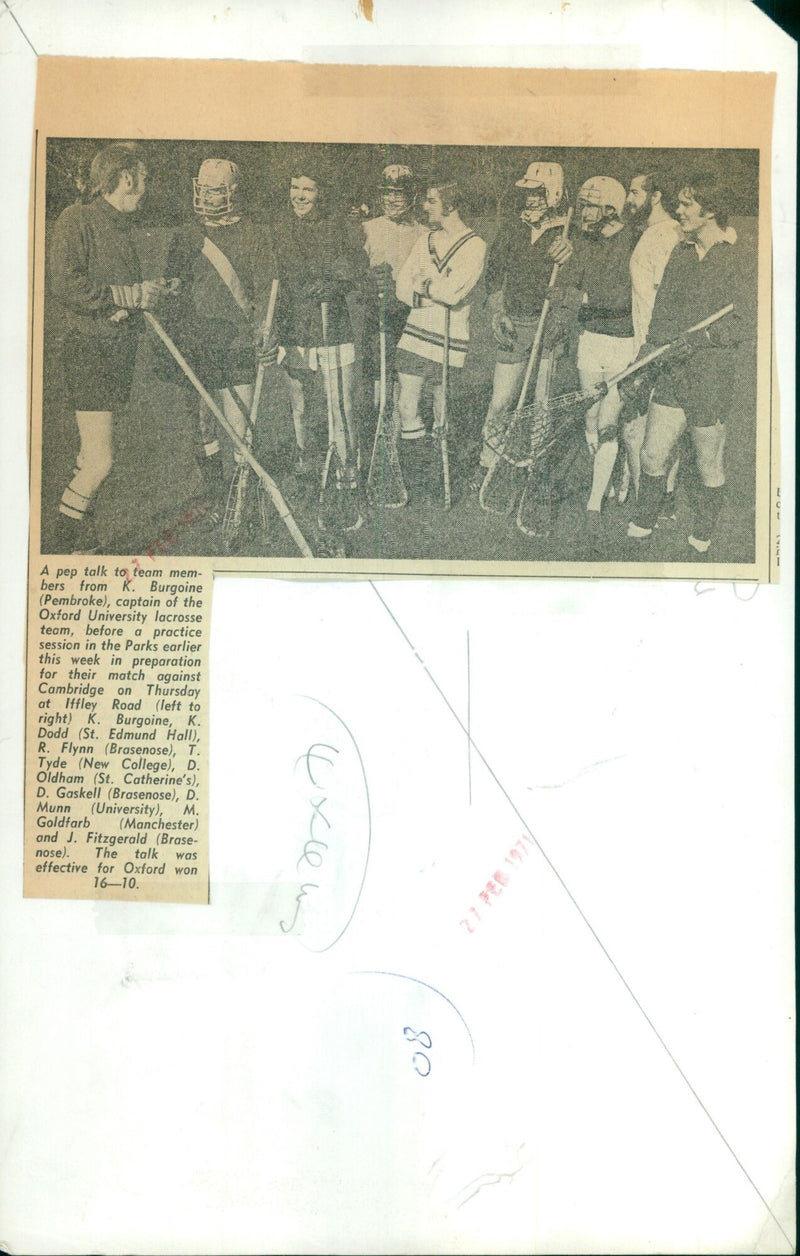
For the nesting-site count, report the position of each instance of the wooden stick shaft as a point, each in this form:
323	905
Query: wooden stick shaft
267	328
443	433
537	339
243	448
657	353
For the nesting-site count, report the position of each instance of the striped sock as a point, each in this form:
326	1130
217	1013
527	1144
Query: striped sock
73	504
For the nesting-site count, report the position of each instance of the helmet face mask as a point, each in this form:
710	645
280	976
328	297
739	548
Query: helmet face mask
396	202
543	189
214	190
600	201
536	205
397	192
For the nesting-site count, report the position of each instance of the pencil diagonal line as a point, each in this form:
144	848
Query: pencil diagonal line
575	904
16	22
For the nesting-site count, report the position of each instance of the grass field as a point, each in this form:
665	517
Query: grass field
155	473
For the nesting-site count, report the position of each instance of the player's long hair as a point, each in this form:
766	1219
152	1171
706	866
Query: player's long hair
109	165
711	194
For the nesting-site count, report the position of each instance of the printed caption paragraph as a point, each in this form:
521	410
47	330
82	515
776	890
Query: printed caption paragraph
117	751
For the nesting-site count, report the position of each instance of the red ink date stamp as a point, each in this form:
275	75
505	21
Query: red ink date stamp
499	880
163	543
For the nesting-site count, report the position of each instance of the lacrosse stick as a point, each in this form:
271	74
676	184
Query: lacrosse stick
534	512
237	493
501	483
385	483
334	513
586	399
441	427
244	449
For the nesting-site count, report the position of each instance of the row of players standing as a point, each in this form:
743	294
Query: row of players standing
220	269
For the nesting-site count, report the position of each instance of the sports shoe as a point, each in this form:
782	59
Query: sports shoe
637	533
701	547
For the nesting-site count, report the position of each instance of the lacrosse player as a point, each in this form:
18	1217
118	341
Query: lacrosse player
220	268
316	265
95	276
518	270
597	281
388	240
648	208
695	389
441	271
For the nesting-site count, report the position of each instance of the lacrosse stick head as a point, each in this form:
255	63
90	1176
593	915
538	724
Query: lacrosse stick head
520	437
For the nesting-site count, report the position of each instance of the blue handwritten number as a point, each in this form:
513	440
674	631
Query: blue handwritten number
419	1056
411	1035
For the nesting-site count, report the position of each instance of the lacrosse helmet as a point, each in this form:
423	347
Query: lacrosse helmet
599	200
215	188
397	182
546	176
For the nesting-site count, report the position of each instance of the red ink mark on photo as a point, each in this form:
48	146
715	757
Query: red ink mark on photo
498	881
168	538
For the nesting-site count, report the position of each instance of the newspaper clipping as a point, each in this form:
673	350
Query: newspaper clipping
366	335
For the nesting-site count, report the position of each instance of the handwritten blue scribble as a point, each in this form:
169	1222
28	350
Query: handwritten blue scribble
379	972
316	745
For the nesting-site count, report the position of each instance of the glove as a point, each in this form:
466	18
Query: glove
557	327
320	290
560	250
503	330
723	334
635	389
381	277
138	296
267	350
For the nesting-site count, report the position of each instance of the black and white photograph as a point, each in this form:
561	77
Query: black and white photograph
473	354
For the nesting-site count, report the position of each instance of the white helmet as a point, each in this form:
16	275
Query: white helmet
547	175
397	179
214	189
597	197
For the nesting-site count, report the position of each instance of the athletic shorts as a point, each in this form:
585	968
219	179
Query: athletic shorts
302	358
408	363
98	370
523	340
702	387
603	356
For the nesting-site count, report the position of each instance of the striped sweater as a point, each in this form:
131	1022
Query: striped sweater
440	272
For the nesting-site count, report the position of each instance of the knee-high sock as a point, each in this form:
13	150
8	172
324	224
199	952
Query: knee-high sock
707	505
648	503
86	479
602	471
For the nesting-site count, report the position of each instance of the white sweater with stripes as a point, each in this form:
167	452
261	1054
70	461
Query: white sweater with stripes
440	272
